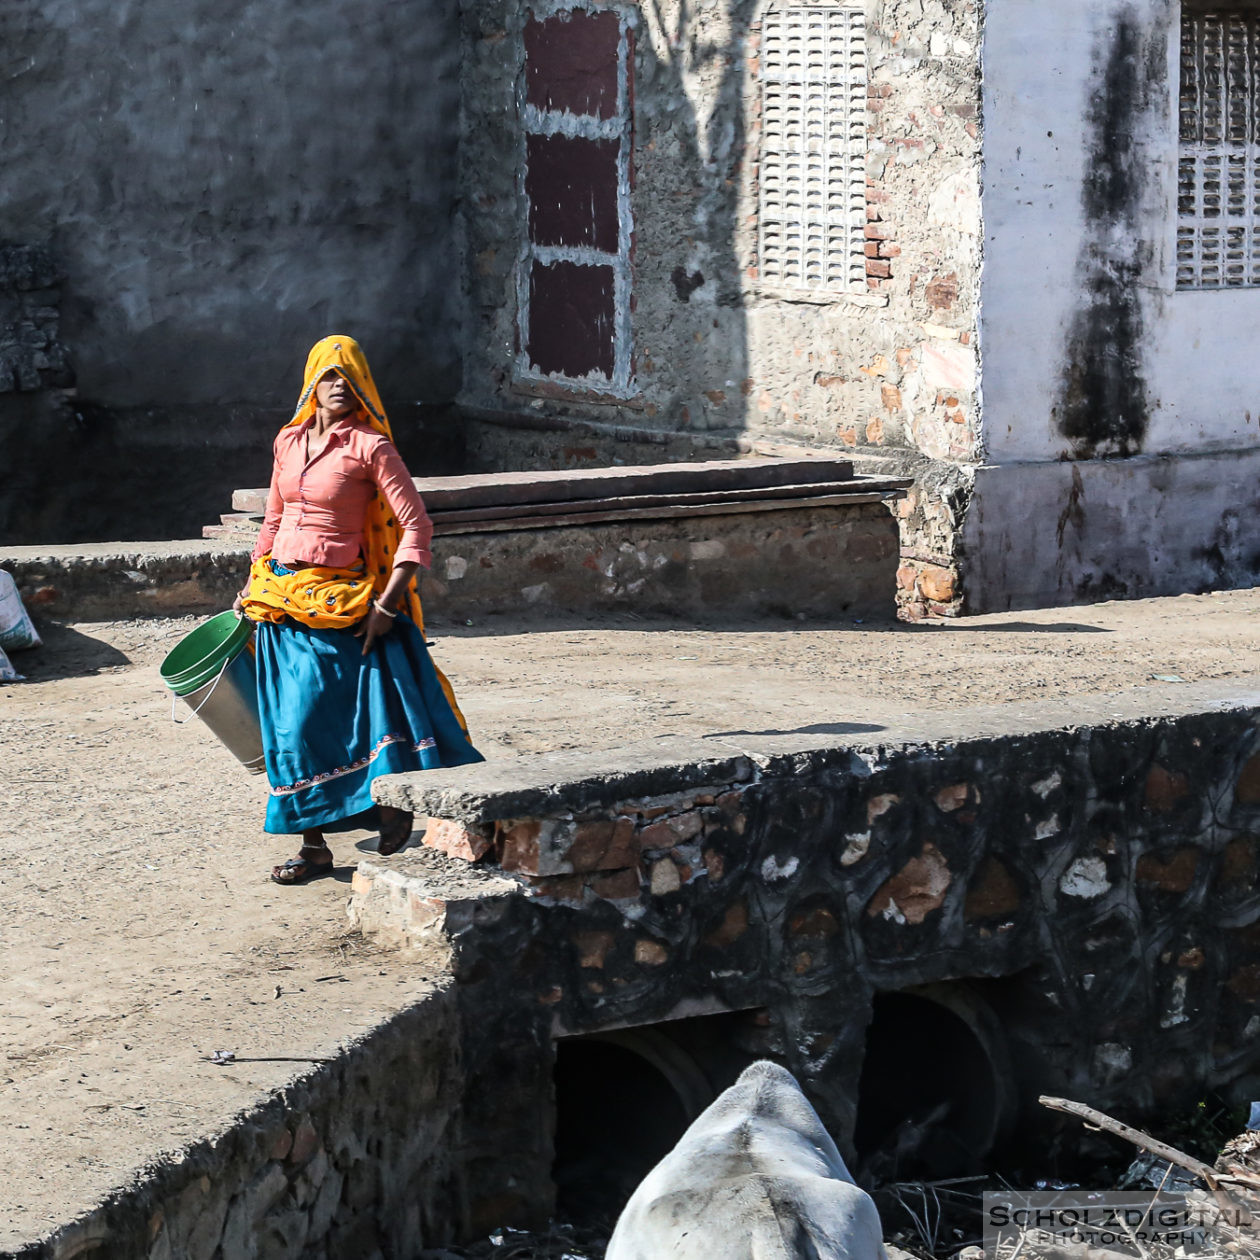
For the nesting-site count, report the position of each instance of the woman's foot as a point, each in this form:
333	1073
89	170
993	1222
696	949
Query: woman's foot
395	829
314	861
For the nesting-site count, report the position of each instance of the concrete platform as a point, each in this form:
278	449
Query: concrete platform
141	932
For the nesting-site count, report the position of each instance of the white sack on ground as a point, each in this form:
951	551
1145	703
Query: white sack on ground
17	630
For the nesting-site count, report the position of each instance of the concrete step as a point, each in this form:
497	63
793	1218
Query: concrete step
501	489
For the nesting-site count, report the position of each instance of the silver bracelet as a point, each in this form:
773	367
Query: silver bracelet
380	608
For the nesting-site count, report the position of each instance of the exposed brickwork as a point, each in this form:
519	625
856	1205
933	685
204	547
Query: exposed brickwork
32	356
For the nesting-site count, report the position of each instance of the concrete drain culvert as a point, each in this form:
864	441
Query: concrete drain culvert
937	1094
624	1098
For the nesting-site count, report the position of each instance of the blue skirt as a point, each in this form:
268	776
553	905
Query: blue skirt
333	720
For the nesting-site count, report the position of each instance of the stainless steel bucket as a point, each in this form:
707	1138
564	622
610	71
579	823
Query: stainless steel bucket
228	705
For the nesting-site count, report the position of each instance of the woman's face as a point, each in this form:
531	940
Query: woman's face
334	395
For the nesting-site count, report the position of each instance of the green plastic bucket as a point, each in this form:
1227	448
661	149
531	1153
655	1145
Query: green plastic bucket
199	656
213	673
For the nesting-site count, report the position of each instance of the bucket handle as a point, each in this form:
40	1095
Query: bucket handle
213	685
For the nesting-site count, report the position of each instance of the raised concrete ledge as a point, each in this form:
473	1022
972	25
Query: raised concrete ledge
574	782
524	787
800	561
116	580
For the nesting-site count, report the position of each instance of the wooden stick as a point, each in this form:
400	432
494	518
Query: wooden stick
1143	1141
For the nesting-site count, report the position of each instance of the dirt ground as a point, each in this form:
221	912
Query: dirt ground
140	932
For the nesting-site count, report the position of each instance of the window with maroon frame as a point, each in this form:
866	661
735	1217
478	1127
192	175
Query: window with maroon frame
573	288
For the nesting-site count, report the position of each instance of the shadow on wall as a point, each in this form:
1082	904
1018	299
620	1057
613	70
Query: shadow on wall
185	245
693	155
628	288
75	472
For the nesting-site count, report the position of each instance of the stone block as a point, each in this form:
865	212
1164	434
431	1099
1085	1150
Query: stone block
665	877
569	889
1238	864
938	583
593	947
879	805
1244	983
915	890
714	864
1165	789
1173	876
993	892
818	921
734	924
657	835
457	840
617	886
951	798
305	1143
604	845
518	845
248	1208
1247	789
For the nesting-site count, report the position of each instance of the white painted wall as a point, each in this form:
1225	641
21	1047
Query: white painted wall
1201	350
1038	535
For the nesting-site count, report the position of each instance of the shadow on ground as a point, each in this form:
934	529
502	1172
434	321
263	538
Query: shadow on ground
818	728
1031	627
67	653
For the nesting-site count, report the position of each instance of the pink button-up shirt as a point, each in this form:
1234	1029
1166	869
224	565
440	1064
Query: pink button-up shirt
315	510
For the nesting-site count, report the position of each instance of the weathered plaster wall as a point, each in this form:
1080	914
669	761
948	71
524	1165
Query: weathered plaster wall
1089	350
1111	529
894	367
216	186
892	370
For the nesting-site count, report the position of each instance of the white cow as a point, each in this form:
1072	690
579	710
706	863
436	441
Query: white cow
755	1177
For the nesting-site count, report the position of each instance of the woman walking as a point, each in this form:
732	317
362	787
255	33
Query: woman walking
346	688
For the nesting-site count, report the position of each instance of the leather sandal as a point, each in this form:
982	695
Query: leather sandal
301	870
396	827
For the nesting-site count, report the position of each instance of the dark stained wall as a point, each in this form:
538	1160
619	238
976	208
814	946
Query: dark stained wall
218	183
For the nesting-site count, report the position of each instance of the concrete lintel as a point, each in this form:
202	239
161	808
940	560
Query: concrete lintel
550	784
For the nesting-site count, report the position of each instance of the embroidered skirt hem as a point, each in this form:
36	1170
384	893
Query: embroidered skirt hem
334	720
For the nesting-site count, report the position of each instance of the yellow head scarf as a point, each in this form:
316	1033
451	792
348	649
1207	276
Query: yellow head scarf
381	534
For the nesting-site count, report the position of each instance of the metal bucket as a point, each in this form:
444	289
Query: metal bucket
212	671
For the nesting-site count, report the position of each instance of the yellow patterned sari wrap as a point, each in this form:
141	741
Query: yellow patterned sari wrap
320	597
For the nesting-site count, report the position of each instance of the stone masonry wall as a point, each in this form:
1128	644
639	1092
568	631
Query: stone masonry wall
31	354
357	1159
1107	875
891	371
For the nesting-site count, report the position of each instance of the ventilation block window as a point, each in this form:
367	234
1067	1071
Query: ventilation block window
812	209
573	285
1218	193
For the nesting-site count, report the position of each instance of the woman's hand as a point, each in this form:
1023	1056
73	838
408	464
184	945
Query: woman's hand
374	626
238	604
